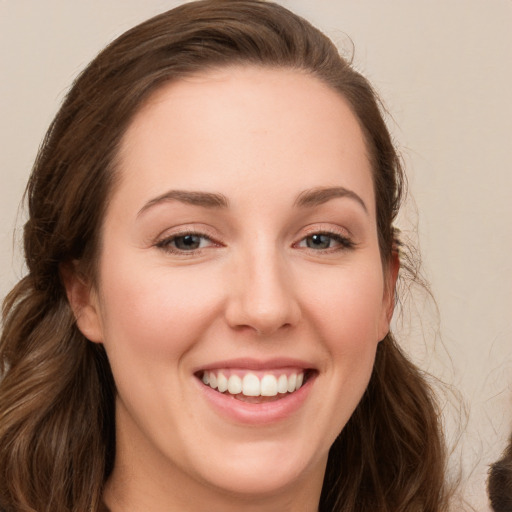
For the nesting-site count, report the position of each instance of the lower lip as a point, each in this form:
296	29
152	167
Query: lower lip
257	414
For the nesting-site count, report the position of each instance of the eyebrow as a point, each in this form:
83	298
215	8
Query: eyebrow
306	199
318	196
204	199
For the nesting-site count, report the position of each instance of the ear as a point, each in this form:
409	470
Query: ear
83	300
388	299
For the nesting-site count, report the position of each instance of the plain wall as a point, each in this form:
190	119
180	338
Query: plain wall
443	69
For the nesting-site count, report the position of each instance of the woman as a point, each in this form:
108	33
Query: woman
212	264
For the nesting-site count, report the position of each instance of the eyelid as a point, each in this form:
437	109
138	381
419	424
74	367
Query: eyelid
321	227
198	229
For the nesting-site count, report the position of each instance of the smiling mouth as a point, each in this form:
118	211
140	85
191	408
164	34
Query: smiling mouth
255	387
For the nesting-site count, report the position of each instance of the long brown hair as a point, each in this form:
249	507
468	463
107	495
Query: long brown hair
57	425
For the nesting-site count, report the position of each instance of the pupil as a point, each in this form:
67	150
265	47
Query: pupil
187	242
319	241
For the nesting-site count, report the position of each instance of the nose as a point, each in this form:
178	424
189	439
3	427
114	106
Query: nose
262	295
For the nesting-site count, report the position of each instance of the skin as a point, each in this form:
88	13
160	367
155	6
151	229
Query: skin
257	287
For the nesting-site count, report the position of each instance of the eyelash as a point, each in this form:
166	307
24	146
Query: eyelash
166	244
344	242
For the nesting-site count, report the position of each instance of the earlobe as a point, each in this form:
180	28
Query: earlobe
83	301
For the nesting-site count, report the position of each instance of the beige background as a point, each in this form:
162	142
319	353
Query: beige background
443	68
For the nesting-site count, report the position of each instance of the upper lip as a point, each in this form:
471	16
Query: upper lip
257	364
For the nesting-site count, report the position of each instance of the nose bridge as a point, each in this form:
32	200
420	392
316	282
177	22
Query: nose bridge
263	293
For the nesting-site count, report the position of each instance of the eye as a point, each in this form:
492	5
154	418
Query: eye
186	242
324	241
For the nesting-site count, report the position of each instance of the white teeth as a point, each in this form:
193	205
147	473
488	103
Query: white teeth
252	385
282	384
222	382
235	384
269	385
292	380
300	380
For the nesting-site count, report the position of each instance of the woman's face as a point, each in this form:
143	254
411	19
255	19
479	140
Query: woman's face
239	251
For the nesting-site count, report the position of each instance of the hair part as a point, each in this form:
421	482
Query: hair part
57	424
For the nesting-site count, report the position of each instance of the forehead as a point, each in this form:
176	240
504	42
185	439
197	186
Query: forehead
243	128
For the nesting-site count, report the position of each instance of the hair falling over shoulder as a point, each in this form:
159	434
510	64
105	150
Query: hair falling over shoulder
57	393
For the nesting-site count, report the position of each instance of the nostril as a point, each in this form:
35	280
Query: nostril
263	321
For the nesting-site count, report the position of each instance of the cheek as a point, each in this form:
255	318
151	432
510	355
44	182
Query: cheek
348	307
345	307
154	312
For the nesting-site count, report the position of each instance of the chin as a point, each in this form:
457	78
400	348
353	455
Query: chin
257	478
264	469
